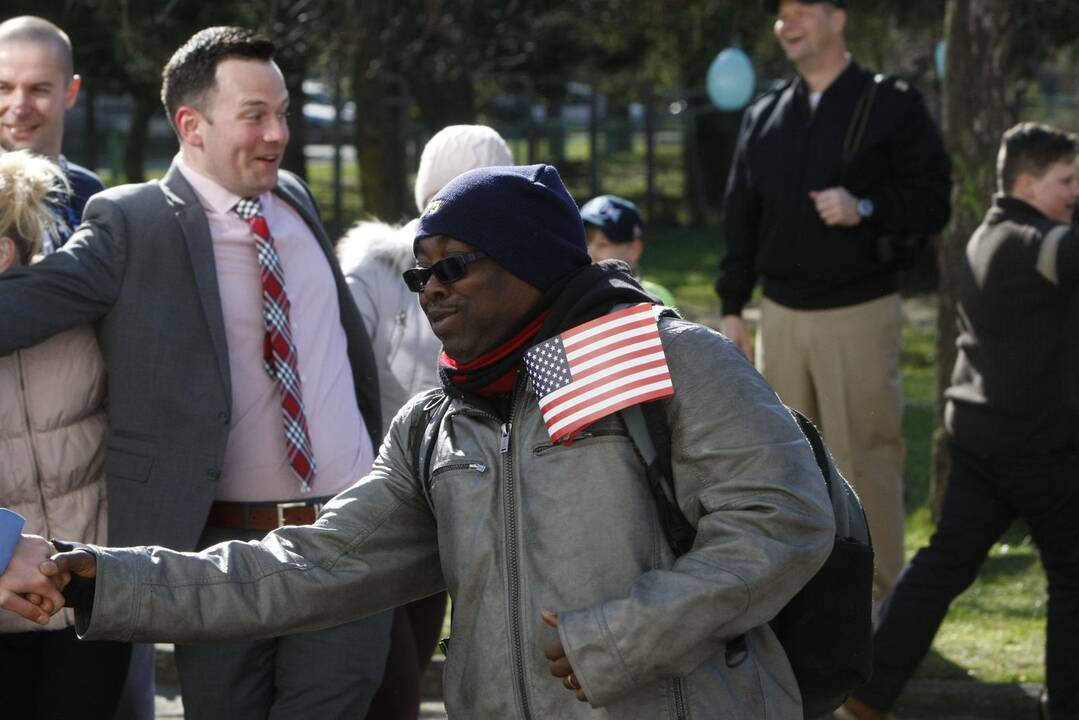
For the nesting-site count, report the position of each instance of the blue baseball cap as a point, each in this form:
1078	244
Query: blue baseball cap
617	217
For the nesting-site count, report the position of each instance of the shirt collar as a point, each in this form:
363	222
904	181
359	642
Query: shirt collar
1011	204
212	196
846	77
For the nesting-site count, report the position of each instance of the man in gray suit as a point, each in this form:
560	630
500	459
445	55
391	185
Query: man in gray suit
242	387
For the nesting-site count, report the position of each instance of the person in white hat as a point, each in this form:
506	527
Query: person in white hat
373	255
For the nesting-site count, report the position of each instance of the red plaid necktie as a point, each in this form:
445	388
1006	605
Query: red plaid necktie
278	350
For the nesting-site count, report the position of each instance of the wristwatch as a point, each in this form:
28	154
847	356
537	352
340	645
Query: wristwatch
865	208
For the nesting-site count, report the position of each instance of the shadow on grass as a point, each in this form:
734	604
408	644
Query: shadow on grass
1001	567
938	667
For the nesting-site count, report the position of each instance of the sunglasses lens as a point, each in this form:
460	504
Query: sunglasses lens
450	270
416	278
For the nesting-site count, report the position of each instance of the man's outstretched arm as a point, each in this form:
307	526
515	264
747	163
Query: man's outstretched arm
373	546
74	286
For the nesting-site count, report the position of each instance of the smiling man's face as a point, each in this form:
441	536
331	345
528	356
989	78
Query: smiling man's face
239	135
805	30
471	315
36	90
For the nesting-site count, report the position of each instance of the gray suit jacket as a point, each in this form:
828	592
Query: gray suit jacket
141	268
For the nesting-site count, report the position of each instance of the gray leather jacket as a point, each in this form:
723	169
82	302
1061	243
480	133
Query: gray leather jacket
520	526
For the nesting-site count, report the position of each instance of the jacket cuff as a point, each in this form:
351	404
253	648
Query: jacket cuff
880	210
594	656
114	600
730	306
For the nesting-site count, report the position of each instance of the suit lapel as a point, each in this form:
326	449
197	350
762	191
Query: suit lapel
196	231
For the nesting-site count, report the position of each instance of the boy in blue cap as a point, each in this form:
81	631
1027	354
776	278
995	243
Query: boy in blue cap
613	227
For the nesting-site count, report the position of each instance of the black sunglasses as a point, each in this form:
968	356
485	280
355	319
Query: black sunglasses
448	270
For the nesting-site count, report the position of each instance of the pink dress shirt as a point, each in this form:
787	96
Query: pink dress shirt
256	467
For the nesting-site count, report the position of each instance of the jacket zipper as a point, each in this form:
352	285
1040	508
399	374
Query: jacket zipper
514	560
25	401
680	710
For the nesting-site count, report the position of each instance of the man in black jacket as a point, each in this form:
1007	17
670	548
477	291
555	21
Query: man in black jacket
834	173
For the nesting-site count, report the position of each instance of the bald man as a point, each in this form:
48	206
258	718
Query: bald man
38	85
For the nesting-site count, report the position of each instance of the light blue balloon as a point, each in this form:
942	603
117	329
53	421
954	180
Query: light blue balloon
731	80
940	55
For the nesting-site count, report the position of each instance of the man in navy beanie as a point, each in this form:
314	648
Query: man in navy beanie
568	601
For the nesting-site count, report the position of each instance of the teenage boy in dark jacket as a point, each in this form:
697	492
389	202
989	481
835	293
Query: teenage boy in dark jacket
1012	417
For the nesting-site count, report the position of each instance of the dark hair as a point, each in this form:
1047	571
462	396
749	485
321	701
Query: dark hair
1031	148
189	75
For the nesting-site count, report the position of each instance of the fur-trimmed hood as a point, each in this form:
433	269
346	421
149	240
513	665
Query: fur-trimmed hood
374	241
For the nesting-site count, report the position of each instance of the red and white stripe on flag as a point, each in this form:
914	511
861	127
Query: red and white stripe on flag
598	368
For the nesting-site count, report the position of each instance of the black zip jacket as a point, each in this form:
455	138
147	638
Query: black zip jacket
785	151
1013	391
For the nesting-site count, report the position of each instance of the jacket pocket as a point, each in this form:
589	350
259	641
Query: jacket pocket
440	472
606	427
127	465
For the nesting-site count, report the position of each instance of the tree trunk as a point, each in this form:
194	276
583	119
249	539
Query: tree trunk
295	160
444	101
89	127
974	115
379	143
137	133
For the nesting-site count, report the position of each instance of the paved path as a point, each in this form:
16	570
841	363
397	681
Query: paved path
168	706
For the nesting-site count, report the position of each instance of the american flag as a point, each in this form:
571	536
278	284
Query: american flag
598	368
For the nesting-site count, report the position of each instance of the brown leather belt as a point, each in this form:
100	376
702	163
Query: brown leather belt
263	516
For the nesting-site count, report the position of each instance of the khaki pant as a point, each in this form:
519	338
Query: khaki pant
840	367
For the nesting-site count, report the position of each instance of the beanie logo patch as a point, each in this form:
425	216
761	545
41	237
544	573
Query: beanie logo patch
432	207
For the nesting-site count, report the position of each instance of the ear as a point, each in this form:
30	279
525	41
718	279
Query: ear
839	20
1023	187
9	253
189	123
636	249
72	92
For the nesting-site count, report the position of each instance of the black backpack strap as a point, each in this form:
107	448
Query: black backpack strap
859	120
817	443
651	436
423	442
647	428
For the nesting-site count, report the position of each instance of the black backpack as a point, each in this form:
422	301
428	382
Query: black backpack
826	629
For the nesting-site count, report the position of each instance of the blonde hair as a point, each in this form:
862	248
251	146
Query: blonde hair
26	183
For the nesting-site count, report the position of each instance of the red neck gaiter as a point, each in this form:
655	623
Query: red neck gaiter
494	372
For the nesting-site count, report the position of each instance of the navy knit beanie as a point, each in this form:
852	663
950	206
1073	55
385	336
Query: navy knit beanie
521	216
